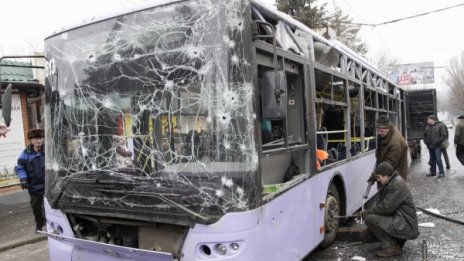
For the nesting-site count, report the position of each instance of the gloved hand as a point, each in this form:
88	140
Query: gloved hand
372	178
24	184
363	213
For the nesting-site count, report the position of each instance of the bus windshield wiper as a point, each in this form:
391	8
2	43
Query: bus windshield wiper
68	180
197	217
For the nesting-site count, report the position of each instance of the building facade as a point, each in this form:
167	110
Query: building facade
26	112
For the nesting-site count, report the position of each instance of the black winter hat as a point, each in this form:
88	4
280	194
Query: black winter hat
433	117
461	117
36	133
384	169
383	122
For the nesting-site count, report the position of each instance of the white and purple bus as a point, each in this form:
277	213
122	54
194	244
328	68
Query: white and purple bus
189	130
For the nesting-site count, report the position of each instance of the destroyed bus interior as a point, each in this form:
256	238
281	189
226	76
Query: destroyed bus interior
343	115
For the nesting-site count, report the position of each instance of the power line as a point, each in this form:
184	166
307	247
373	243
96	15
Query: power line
408	17
352	10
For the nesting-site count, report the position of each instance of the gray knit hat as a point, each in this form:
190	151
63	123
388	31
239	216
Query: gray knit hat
383	122
384	169
433	117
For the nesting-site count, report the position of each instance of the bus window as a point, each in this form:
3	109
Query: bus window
357	139
369	129
370	98
291	127
277	135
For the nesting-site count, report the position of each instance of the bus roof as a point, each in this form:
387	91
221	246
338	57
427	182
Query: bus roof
296	24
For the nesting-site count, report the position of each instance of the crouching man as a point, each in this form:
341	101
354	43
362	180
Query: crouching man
392	220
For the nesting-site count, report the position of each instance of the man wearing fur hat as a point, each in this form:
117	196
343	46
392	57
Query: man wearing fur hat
31	172
435	134
391	146
392	220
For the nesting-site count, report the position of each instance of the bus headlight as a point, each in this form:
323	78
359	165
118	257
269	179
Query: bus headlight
234	246
224	249
221	249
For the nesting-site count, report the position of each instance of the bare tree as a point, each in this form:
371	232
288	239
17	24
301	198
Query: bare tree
454	78
384	62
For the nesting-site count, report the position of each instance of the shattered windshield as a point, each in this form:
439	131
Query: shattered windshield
158	101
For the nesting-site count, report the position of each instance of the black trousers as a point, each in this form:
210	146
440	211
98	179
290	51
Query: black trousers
460	153
37	204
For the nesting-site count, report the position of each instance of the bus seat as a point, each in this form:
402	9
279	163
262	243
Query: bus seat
322	138
354	149
341	149
333	155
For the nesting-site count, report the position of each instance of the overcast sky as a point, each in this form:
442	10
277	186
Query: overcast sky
435	37
25	23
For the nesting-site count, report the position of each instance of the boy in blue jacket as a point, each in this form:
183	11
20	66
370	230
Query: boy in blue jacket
31	172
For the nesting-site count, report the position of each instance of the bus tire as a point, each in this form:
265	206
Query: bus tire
331	220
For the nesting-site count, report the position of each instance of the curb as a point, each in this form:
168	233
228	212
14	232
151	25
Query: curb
21	242
9	188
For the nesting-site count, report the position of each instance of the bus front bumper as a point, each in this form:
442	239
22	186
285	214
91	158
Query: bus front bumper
78	249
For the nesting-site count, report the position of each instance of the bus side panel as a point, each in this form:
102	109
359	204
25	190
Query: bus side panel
286	228
58	250
355	175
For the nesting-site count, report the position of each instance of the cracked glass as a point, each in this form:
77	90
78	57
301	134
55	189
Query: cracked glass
150	114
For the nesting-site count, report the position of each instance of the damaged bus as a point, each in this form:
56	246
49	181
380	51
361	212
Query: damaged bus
191	130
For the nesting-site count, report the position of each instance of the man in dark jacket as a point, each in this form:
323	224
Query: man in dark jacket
392	220
434	136
31	172
459	139
391	146
444	145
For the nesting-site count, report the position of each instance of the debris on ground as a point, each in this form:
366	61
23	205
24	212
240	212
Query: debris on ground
434	210
427	224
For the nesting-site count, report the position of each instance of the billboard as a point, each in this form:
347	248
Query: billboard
412	73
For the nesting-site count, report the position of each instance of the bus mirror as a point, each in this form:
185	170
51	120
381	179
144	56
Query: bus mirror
274	99
6	105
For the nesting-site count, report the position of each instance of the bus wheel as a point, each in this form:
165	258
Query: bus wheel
331	219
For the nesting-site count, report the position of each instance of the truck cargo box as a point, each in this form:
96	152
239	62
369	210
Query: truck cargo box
419	105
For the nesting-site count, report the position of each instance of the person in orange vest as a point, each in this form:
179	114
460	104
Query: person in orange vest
321	155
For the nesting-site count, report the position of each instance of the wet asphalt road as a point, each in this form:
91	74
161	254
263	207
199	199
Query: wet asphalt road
446	240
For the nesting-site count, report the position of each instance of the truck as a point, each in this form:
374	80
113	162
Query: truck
419	105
